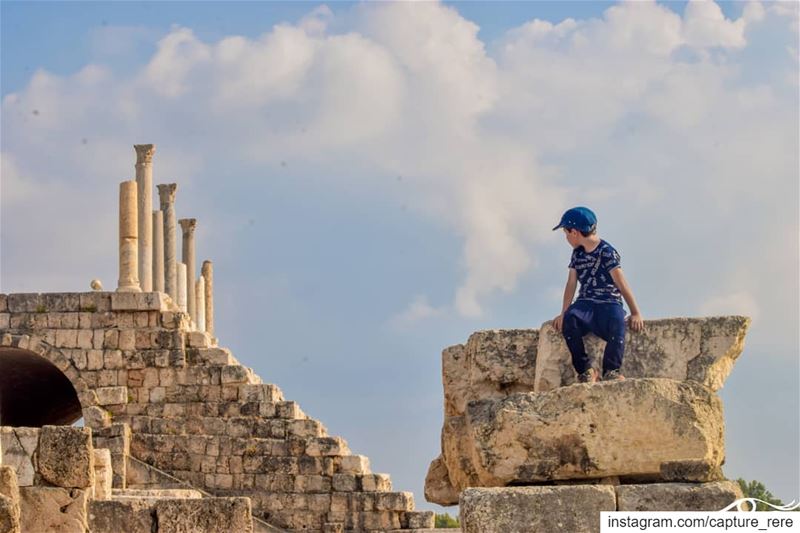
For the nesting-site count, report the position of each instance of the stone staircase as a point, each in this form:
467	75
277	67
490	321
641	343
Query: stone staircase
215	426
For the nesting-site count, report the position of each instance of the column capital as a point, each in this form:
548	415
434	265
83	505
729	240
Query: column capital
188	225
144	153
166	192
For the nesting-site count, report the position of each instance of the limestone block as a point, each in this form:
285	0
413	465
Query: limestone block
438	488
234	374
375	482
3	303
627	428
53	509
700	349
113	516
493	364
112	395
200	516
9	500
8	483
418	520
354	464
677	496
327	446
66	456
573	508
18	446
9	515
103	474
96	417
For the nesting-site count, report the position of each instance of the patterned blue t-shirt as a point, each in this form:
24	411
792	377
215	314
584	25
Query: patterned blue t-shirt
594	273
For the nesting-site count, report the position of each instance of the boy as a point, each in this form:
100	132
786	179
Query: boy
598	309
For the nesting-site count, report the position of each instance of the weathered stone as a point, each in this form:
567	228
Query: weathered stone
419	520
208	514
103	474
53	509
9	500
96	417
698	349
493	364
18	448
8	483
574	508
438	488
112	395
9	515
677	496
625	428
113	516
66	456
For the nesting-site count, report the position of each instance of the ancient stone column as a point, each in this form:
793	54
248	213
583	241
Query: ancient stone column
181	300
128	247
158	251
200	302
166	193
144	183
188	226
208	276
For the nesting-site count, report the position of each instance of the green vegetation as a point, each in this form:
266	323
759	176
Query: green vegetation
41	308
756	489
445	520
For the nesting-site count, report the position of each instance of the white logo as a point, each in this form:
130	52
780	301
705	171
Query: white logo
791	506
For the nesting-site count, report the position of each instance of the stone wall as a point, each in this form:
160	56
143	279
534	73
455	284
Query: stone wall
196	413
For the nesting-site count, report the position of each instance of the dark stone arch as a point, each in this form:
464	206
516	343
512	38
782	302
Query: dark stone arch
34	391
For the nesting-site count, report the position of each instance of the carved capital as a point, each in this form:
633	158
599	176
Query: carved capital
144	153
166	193
188	225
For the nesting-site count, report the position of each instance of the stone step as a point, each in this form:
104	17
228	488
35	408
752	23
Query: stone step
151	495
137	515
210	357
143	422
240	427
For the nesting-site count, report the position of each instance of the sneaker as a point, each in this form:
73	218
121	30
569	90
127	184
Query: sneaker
613	375
590	376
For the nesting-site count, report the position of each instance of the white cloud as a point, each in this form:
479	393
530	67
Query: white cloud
418	310
735	303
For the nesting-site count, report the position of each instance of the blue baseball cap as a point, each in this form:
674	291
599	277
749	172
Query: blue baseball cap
579	218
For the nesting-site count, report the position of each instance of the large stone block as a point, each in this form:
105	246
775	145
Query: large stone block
698	349
492	364
438	488
53	509
8	483
114	516
103	474
9	515
18	446
628	428
677	496
574	508
66	456
208	514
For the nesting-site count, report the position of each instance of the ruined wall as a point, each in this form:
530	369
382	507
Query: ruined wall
196	413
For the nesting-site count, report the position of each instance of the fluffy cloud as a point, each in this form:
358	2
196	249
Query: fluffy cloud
643	112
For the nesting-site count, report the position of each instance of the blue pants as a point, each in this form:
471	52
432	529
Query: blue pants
607	321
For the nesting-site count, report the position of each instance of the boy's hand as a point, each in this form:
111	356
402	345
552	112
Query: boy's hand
636	322
558	321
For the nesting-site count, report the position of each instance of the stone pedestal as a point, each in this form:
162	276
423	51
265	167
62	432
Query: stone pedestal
128	233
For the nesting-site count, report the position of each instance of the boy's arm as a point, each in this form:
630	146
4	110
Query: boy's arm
569	290
637	323
569	293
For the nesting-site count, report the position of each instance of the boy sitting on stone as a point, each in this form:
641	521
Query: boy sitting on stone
598	309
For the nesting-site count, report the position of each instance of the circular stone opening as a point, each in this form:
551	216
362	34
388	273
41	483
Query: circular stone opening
34	392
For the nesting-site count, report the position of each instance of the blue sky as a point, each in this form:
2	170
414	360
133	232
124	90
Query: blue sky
374	182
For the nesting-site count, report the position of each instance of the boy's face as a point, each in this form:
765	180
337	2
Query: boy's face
573	236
